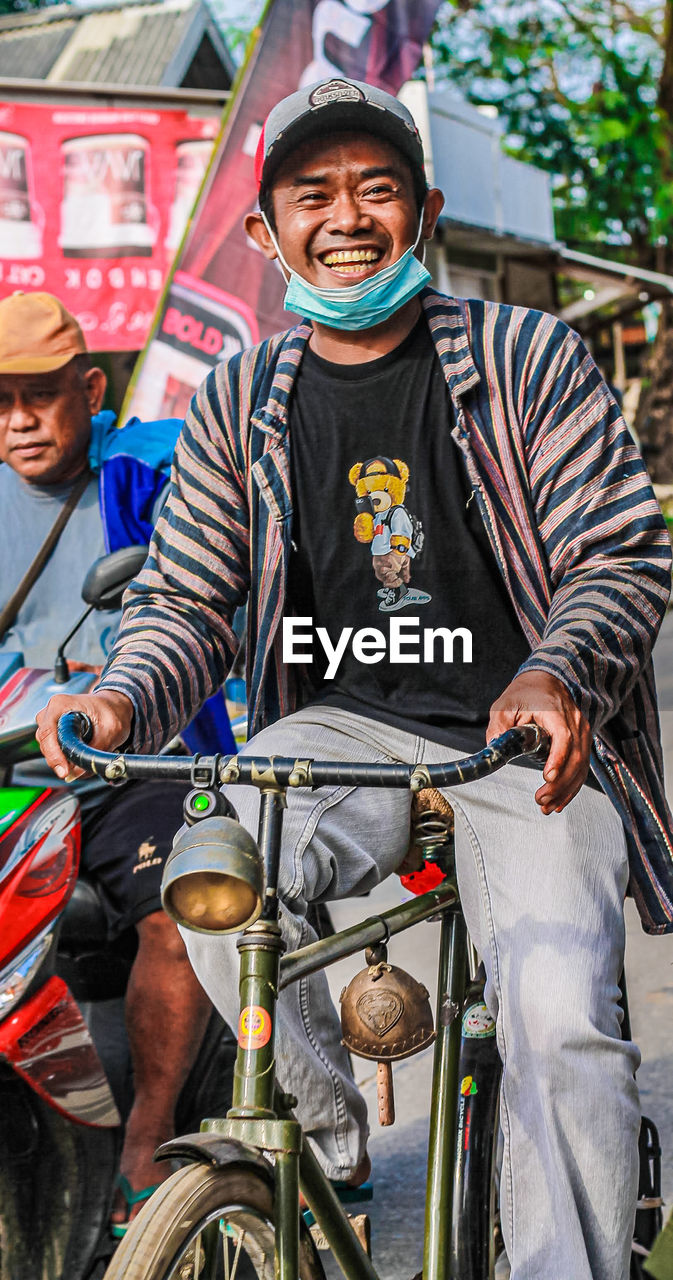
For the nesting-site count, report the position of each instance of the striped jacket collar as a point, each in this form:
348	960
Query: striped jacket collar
446	321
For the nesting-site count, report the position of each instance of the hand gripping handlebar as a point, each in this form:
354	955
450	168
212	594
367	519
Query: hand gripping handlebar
276	772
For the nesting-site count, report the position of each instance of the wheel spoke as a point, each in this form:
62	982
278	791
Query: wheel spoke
228	1230
225	1250
237	1254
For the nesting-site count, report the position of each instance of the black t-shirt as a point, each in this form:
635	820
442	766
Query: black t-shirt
405	616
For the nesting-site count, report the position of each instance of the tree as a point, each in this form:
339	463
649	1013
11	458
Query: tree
236	19
24	6
584	89
575	86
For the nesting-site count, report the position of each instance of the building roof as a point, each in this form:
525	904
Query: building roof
169	43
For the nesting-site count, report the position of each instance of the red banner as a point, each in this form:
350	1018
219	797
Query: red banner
225	295
93	204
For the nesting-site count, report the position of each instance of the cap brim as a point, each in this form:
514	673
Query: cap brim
356	117
36	364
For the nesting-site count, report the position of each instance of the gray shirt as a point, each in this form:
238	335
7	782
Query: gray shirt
27	513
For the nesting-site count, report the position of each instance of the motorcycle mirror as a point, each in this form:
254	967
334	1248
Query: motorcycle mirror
108	577
103	588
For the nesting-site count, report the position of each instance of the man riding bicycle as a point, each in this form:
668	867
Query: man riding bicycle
462	466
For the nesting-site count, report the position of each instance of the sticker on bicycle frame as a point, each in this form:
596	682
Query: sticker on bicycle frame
477	1022
468	1086
254	1027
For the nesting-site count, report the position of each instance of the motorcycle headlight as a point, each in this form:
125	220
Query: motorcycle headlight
16	977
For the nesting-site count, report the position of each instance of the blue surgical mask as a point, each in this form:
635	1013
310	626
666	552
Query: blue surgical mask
356	306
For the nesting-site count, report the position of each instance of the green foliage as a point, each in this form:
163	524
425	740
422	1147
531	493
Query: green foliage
24	6
236	19
576	88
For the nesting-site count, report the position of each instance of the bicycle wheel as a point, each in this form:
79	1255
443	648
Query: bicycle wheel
207	1224
476	1239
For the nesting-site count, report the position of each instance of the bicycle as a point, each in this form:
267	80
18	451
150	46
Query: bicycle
230	1213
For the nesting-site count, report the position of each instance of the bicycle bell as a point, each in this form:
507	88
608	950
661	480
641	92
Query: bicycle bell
385	1013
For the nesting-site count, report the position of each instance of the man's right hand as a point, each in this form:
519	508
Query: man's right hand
111	716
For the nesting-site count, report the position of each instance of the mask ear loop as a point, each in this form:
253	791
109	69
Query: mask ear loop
420	233
283	264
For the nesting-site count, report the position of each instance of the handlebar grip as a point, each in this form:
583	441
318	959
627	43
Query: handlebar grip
74	730
544	745
82	726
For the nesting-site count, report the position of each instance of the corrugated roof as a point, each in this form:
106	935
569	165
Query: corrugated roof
144	42
37	50
138	56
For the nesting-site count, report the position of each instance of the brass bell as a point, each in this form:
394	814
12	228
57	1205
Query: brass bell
386	1016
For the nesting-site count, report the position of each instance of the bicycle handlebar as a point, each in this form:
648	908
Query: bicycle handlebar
75	729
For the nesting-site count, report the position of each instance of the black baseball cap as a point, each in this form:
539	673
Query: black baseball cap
332	105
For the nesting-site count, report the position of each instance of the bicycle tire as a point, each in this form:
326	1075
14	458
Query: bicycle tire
158	1243
476	1240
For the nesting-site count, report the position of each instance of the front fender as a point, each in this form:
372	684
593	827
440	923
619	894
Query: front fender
212	1149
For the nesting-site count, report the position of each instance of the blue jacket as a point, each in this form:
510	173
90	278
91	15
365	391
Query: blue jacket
133	464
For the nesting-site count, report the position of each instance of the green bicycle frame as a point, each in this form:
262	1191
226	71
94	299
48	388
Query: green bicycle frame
262	1117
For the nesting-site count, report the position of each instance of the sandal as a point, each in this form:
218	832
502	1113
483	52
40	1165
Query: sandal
131	1198
348	1194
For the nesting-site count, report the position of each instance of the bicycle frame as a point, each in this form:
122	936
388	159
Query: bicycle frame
261	1117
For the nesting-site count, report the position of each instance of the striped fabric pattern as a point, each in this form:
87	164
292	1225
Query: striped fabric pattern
566	501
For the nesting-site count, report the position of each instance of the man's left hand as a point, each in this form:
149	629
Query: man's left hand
535	696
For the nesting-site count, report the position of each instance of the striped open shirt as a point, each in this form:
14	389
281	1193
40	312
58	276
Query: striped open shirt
566	501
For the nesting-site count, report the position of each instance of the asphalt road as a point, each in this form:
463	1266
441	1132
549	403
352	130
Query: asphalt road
399	1153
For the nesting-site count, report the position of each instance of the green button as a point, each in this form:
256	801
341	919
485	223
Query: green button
200	803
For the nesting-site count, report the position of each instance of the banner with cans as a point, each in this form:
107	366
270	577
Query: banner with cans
224	294
93	205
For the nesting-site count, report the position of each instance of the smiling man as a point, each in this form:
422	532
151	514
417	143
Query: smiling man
462	465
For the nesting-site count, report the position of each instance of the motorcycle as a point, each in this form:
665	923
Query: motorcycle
65	1079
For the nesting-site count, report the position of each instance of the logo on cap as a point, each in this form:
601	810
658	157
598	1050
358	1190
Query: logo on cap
335	91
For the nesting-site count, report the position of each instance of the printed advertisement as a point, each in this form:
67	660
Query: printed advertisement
93	205
225	295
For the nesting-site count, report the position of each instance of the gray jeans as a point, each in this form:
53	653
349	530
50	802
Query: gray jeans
543	899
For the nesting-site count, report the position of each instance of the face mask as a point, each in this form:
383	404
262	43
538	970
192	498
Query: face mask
356	306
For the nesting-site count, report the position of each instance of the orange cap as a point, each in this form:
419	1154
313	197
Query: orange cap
37	334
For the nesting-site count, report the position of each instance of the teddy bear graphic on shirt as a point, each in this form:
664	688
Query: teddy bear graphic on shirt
393	532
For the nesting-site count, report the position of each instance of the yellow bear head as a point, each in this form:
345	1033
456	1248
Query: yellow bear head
384	480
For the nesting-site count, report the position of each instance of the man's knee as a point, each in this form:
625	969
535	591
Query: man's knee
552	1012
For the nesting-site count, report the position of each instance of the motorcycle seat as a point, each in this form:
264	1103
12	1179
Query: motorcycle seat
83	923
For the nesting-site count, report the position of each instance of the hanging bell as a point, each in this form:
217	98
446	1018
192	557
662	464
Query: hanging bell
385	1016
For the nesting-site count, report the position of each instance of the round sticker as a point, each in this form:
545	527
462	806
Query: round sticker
254	1027
477	1022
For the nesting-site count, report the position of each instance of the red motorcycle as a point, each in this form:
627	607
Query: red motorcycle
64	1062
